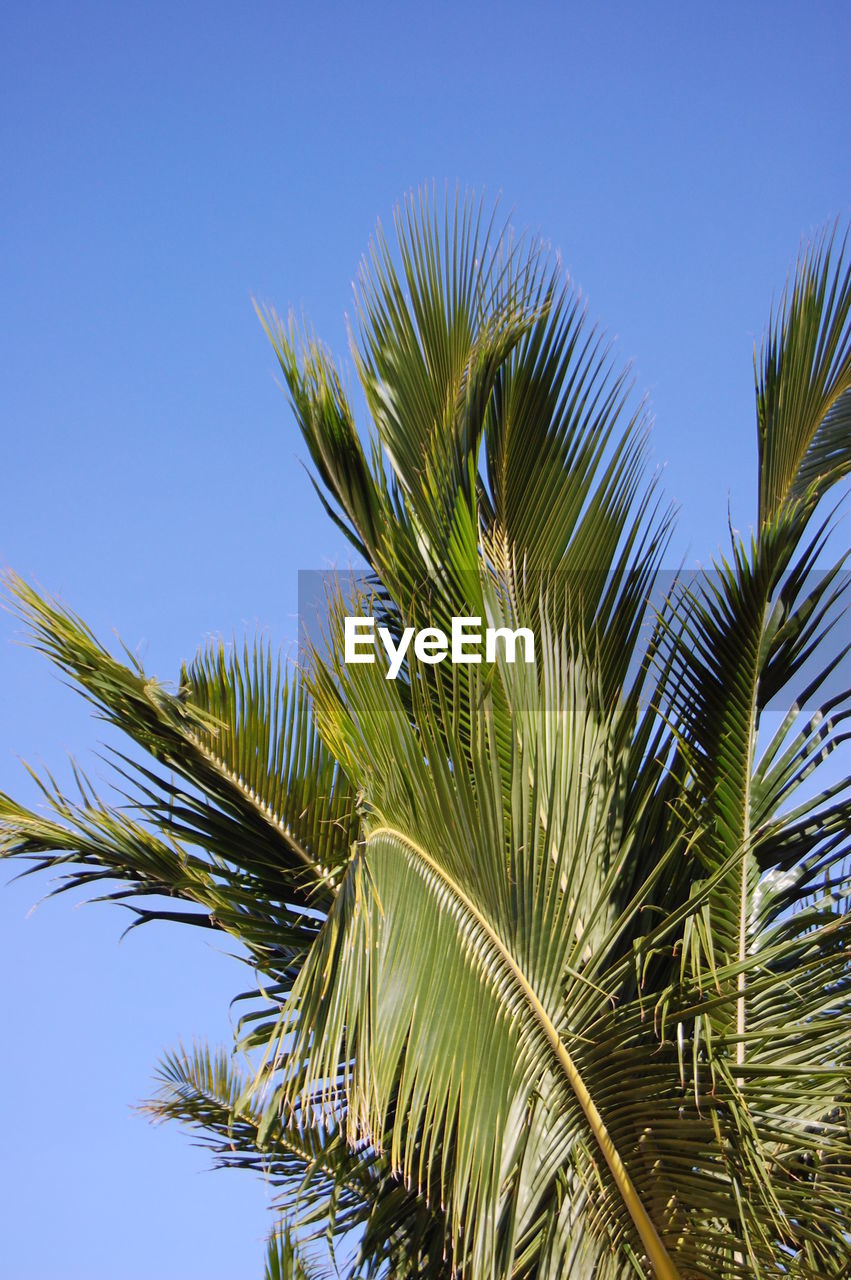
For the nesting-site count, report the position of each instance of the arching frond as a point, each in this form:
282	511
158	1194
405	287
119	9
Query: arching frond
554	955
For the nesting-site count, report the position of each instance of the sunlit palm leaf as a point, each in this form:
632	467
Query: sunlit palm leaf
555	957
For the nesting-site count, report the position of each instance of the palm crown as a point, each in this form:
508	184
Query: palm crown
552	958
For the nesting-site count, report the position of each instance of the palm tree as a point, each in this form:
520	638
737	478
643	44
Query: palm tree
552	958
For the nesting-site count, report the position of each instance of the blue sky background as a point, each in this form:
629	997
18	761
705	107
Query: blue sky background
162	164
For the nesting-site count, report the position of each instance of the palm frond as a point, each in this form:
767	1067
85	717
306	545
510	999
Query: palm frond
454	927
236	731
804	383
553	956
285	1260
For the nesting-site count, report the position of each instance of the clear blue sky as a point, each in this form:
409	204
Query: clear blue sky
161	164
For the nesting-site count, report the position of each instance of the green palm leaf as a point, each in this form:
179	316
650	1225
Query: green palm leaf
553	958
804	383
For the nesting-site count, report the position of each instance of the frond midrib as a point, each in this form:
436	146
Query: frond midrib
656	1251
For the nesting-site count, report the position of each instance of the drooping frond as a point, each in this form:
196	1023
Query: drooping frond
252	823
319	1184
470	974
237	731
325	1189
